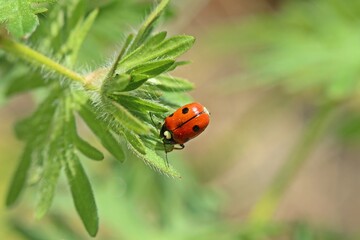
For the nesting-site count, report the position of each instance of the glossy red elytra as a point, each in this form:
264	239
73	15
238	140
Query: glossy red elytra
184	124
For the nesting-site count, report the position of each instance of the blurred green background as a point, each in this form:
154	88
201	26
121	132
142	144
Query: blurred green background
280	159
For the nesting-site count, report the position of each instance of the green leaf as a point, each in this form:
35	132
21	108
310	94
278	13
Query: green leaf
153	68
148	25
77	37
178	63
156	162
126	119
40	10
88	150
19	17
174	47
139	104
172	84
122	53
21	78
40	120
156	39
82	194
48	183
137	80
25	82
101	131
134	140
19	178
83	146
168	49
117	84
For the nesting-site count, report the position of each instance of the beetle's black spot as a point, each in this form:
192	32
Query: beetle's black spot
196	128
185	110
171	115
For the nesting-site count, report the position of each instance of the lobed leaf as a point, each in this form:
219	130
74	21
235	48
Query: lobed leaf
19	17
82	194
88	114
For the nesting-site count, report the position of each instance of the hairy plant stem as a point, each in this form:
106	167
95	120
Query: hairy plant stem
265	207
30	55
149	20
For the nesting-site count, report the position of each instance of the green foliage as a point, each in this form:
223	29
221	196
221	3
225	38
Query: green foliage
137	203
20	16
114	102
82	194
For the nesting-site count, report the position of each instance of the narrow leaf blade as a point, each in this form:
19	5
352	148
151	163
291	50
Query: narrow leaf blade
126	119
48	186
77	37
82	195
134	141
148	25
152	159
101	131
88	150
21	80
169	49
172	84
19	177
156	39
140	104
153	68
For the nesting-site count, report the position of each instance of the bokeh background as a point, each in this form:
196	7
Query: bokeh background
281	81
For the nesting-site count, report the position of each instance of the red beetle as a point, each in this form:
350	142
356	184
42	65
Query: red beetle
184	124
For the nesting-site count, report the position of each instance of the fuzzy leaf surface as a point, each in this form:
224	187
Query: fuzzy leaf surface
20	16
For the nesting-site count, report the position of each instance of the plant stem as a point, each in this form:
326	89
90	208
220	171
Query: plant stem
30	55
264	209
148	22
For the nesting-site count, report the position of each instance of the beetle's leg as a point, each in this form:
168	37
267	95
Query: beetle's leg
166	158
182	146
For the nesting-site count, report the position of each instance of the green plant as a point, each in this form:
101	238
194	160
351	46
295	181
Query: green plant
114	101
